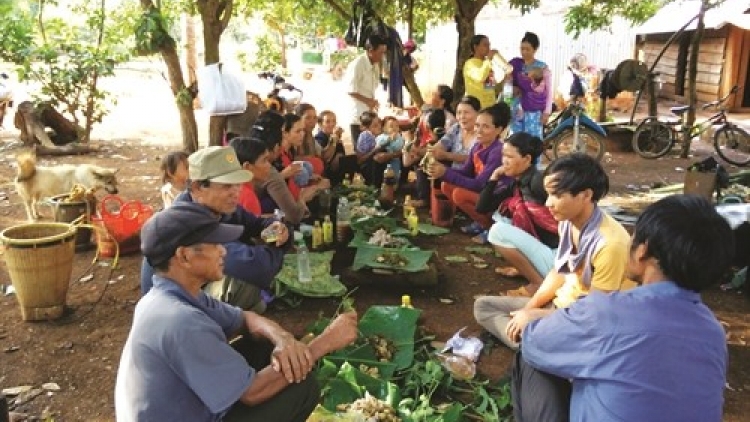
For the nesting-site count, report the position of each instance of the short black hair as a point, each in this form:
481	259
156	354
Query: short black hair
692	244
471	101
302	108
374	41
526	144
366	118
532	39
500	114
248	150
475	40
446	94
577	172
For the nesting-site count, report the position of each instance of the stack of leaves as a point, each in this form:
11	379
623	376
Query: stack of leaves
323	284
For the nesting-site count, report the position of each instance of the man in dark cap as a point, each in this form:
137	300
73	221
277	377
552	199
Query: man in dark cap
177	364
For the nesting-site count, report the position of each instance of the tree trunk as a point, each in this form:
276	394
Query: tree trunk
692	76
191	51
215	15
411	85
410	20
282	41
177	84
466	13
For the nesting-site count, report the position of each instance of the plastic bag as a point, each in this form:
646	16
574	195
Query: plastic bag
220	92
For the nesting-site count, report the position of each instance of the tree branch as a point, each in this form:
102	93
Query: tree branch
338	8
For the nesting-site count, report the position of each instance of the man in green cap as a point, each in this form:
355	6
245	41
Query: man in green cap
215	179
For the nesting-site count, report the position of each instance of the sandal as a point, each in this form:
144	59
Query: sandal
519	292
472	229
507	271
481	238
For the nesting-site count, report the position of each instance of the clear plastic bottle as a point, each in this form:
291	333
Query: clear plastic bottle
278	214
343	223
508	91
304	274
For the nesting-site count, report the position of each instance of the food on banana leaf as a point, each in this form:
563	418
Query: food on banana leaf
392	259
384	347
371	408
383	239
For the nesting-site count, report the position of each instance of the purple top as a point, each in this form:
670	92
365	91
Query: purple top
466	176
531	100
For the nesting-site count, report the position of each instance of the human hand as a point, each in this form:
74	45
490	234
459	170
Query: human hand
373	103
498	173
381	157
291	358
341	332
436	170
439	153
291	170
282	233
545	118
520	319
339	131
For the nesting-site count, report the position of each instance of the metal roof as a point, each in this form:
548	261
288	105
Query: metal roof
674	15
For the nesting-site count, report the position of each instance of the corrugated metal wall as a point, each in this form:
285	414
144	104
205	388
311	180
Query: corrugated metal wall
505	28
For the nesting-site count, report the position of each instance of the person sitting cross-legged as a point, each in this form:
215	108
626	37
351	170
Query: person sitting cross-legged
655	353
525	233
591	255
177	363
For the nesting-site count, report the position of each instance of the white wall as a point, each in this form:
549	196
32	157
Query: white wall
506	27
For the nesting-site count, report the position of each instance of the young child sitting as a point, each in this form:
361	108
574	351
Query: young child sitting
174	174
367	148
392	142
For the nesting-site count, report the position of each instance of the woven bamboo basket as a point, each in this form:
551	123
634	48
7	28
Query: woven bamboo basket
39	257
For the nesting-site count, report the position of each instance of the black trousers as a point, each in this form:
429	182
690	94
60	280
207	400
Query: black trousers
538	396
354	131
294	403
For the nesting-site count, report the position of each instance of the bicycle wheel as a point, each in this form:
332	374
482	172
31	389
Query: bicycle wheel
592	143
732	144
652	138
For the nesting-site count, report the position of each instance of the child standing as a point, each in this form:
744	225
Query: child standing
392	142
174	175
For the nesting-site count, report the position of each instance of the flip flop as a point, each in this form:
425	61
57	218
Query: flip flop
472	229
519	292
507	271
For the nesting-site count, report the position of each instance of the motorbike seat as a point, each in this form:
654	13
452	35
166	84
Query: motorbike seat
680	110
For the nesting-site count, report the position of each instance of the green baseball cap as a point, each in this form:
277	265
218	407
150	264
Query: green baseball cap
217	164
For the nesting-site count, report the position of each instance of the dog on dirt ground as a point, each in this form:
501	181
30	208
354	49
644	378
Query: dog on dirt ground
35	182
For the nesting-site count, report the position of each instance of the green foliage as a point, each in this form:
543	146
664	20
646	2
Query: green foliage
65	57
151	32
268	54
593	15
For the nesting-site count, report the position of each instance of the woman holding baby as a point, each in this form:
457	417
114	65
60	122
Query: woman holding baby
533	93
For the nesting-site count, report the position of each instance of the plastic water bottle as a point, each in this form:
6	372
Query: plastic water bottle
278	214
343	223
303	263
508	91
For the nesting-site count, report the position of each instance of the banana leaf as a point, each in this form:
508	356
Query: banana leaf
395	323
350	384
371	224
431	230
323	284
367	256
362	239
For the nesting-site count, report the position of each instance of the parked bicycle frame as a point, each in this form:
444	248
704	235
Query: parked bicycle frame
653	138
574	131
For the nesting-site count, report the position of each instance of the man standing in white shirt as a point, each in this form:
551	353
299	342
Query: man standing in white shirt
362	78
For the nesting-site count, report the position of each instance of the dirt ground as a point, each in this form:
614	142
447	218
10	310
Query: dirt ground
80	352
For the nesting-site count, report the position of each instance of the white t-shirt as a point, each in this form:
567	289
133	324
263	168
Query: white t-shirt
361	77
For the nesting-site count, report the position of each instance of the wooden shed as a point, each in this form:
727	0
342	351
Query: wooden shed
723	57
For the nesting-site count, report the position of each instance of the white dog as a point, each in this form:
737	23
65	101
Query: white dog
35	182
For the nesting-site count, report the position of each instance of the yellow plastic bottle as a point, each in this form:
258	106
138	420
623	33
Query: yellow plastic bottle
407	206
412	223
327	230
317	236
406	301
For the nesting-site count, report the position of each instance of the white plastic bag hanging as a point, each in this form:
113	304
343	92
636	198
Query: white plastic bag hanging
220	92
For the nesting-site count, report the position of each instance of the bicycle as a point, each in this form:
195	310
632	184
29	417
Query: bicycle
572	130
654	138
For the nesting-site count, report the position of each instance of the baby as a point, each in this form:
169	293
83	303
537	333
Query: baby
391	141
